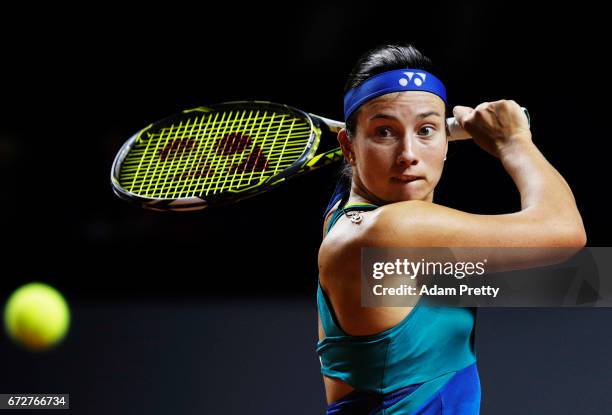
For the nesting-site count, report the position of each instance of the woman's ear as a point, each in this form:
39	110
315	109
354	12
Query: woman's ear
345	144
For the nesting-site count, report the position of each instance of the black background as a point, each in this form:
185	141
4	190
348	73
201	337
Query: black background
77	82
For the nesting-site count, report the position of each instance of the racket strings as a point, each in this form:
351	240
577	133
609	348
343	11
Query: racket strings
215	152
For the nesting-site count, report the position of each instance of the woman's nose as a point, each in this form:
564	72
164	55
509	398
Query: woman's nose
407	155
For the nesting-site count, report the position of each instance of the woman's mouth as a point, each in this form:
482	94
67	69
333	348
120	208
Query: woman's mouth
404	178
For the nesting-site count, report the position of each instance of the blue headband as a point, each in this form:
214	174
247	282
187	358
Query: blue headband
398	80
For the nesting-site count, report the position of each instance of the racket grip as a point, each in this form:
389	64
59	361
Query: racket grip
457	133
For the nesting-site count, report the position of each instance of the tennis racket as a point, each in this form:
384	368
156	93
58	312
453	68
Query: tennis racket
223	153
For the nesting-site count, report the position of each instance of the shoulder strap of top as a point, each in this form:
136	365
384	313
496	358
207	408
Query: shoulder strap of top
347	208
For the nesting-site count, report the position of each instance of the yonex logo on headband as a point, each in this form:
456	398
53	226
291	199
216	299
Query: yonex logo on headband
398	80
418	81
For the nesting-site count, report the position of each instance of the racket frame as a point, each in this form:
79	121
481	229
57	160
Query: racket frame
306	161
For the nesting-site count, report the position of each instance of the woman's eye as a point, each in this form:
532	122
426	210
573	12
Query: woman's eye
426	131
384	132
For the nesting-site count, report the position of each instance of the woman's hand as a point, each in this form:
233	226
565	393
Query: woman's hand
495	126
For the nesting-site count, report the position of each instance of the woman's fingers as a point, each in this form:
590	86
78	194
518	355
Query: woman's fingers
461	113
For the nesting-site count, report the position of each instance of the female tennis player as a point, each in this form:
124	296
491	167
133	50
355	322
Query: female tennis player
418	360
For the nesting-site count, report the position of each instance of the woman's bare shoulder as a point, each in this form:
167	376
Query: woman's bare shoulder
417	223
388	222
388	225
340	250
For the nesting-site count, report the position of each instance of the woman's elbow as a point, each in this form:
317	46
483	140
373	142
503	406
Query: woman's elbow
565	244
579	238
572	237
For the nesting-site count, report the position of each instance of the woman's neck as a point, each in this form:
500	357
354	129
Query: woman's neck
359	194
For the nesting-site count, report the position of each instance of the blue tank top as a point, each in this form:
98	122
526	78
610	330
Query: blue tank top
427	347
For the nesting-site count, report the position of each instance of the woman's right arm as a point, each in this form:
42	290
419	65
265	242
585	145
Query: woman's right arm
548	217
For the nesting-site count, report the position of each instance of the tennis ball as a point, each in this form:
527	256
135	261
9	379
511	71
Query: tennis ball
36	316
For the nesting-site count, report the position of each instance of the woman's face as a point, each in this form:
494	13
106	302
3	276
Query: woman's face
400	145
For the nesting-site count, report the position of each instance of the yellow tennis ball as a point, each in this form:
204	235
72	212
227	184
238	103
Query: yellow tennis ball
36	316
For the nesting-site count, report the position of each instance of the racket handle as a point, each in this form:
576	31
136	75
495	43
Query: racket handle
457	133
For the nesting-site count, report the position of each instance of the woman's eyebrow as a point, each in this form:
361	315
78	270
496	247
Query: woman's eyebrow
429	113
392	117
383	116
